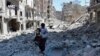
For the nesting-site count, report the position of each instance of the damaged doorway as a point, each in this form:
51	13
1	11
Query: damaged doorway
13	25
29	24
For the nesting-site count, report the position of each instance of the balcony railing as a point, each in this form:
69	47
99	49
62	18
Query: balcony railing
11	11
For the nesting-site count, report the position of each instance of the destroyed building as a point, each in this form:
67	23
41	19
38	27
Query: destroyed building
59	15
71	11
15	15
94	10
19	15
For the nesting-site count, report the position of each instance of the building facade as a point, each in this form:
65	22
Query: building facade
94	10
72	11
19	15
44	11
67	12
15	15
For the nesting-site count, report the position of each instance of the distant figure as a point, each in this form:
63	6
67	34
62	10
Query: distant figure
41	37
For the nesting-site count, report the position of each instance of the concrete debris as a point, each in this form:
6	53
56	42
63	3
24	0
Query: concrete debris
79	39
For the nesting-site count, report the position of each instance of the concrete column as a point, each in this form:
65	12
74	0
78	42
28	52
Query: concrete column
24	18
24	26
35	26
18	18
4	7
20	28
96	16
4	26
91	17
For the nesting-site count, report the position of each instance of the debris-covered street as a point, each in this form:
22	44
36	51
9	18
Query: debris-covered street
75	41
49	28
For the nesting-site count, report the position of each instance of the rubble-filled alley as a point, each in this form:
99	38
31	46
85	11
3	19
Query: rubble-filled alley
83	40
72	30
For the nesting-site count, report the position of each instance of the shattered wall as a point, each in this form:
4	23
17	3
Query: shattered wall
94	8
72	11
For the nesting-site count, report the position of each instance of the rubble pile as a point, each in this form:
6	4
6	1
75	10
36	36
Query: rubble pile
83	40
22	45
80	39
76	42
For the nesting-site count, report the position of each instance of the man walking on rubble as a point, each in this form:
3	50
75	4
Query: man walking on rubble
41	37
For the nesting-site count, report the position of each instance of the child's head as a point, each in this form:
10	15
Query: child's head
38	30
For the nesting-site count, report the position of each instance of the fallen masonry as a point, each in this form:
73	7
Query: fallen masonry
81	40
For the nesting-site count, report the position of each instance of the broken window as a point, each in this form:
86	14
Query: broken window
0	9
21	13
8	3
48	6
21	19
29	14
26	15
48	11
15	10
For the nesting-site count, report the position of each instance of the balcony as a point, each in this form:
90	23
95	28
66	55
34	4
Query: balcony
11	12
29	18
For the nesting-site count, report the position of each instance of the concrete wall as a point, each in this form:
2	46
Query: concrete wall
10	21
20	21
94	11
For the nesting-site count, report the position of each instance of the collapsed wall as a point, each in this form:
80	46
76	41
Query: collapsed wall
81	39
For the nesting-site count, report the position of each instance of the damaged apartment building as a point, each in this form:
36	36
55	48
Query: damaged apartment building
94	10
19	15
71	11
43	10
15	15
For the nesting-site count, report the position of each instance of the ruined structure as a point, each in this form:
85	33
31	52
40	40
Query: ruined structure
72	11
50	12
59	15
19	15
15	15
94	10
43	10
